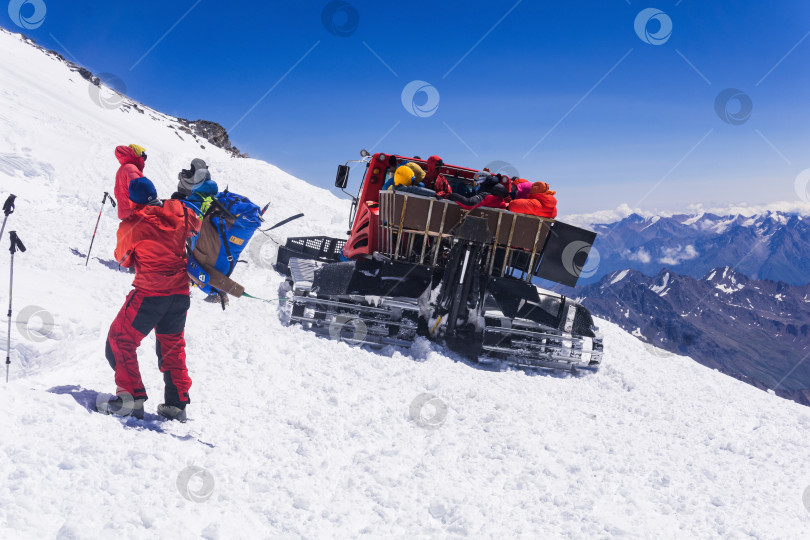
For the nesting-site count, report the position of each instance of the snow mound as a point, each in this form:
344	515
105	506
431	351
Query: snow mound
291	435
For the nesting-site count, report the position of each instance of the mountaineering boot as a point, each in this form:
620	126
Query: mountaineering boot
122	407
170	412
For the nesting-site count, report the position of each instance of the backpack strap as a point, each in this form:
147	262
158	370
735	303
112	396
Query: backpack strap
226	245
186	240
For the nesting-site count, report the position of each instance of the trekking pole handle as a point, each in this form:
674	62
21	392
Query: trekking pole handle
8	206
15	243
108	196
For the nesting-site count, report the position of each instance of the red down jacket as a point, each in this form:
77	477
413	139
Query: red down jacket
536	204
131	168
153	238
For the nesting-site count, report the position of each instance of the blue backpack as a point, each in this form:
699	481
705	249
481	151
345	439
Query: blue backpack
234	219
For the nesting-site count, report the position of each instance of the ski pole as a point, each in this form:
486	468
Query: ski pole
15	244
8	209
104	200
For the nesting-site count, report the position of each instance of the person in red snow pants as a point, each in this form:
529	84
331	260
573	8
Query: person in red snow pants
153	240
142	313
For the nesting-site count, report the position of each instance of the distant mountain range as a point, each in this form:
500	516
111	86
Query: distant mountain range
755	330
773	246
730	292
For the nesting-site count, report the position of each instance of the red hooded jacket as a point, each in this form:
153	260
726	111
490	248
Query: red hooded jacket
153	238
131	168
435	181
536	204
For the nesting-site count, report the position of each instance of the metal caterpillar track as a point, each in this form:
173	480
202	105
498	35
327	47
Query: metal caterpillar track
354	322
381	321
525	344
349	318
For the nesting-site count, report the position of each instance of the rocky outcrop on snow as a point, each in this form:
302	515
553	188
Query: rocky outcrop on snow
211	132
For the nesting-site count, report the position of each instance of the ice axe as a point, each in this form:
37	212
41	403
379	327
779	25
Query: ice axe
15	245
8	209
104	200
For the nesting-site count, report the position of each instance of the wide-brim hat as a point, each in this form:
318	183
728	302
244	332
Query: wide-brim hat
196	175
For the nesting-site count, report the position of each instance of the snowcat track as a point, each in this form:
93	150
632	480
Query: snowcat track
379	321
522	344
518	346
338	318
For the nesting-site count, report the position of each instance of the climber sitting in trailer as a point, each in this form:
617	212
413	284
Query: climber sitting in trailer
520	188
407	179
418	174
491	193
540	202
404	176
436	181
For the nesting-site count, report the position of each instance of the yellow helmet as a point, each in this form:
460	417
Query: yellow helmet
418	173
404	176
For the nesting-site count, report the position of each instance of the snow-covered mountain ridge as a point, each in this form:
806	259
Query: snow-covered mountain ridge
770	245
694	212
293	436
109	94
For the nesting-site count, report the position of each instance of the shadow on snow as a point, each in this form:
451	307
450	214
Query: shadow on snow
88	399
108	263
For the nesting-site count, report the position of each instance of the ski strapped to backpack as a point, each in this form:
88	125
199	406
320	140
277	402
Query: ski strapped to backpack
283	222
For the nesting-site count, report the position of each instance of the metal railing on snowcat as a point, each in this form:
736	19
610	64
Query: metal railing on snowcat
420	229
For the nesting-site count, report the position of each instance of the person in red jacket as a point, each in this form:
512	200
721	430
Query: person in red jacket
540	202
133	160
153	240
434	179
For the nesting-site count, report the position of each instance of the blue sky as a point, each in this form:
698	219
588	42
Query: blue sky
566	92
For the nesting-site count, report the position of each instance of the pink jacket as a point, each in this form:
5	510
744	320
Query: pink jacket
523	188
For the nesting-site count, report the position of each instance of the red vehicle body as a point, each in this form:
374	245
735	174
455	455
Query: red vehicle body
363	238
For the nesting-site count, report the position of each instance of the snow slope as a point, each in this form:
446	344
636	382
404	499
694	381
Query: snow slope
294	436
